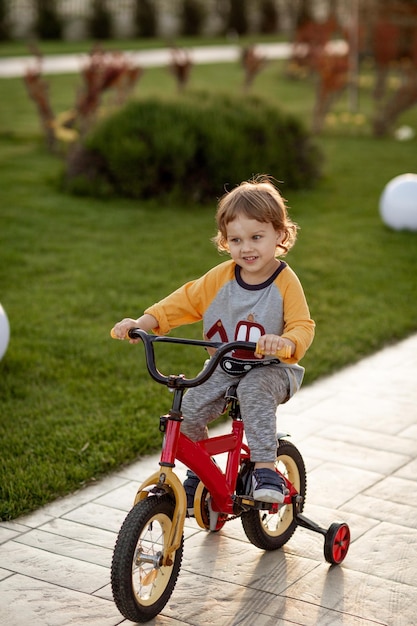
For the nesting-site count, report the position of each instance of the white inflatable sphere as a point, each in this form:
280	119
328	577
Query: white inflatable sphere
4	332
398	203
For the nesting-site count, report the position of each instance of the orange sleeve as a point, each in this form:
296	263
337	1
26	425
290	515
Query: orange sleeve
187	304
298	325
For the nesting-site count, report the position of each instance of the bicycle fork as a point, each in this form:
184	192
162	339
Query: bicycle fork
166	481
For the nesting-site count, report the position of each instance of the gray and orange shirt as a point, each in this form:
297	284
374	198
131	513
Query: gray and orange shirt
234	310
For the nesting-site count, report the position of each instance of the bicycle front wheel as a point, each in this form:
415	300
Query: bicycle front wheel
141	585
270	531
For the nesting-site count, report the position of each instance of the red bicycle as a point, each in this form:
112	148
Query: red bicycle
148	552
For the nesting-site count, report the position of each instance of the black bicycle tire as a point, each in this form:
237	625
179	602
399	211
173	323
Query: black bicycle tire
252	521
124	553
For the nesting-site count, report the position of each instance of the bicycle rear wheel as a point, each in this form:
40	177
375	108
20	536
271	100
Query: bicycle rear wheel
141	585
270	531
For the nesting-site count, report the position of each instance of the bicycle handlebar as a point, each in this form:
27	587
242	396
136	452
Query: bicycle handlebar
180	381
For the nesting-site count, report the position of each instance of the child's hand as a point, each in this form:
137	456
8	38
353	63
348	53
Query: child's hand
145	322
274	345
120	330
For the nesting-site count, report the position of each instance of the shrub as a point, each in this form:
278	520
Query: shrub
4	21
48	23
189	148
192	17
269	17
145	18
238	19
100	22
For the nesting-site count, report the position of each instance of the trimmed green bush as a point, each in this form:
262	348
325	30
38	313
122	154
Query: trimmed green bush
190	148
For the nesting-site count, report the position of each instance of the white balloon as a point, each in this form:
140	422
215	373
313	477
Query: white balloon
4	332
398	203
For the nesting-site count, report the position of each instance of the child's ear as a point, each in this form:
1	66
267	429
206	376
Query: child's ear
280	236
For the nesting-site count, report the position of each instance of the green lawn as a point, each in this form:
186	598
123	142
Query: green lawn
74	403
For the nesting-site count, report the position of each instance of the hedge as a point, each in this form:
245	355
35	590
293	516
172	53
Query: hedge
190	147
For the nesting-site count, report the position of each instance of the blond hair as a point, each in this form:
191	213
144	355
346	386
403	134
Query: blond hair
257	199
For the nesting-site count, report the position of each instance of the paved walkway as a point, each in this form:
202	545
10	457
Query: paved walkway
357	431
71	63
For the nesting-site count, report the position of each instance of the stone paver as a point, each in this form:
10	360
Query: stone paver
357	431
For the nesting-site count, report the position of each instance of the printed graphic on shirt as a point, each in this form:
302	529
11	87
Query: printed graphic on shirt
217	329
247	330
240	361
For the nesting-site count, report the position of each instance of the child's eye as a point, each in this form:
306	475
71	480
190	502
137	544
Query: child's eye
256	237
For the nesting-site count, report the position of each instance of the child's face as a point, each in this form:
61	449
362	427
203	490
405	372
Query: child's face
252	245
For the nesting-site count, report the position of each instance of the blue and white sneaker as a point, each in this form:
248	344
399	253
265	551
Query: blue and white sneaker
268	486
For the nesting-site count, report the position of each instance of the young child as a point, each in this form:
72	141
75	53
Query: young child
252	297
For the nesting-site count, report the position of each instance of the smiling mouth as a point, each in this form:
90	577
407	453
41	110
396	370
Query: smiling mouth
250	258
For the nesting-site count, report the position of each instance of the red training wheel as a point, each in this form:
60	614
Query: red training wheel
336	543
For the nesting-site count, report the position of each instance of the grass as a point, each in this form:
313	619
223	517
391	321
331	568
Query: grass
75	404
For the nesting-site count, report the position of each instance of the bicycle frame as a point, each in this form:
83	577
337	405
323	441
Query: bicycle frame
197	456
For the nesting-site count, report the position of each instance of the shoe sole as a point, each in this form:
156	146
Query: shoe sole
269	495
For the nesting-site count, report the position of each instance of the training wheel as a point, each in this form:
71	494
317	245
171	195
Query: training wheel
336	543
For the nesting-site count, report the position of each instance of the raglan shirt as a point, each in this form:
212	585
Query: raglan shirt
234	310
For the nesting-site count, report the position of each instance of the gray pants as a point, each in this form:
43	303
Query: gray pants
259	391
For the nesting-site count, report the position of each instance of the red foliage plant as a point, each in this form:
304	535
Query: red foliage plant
103	71
253	62
181	65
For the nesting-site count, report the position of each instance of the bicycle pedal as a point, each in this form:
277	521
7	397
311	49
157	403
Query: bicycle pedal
248	502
